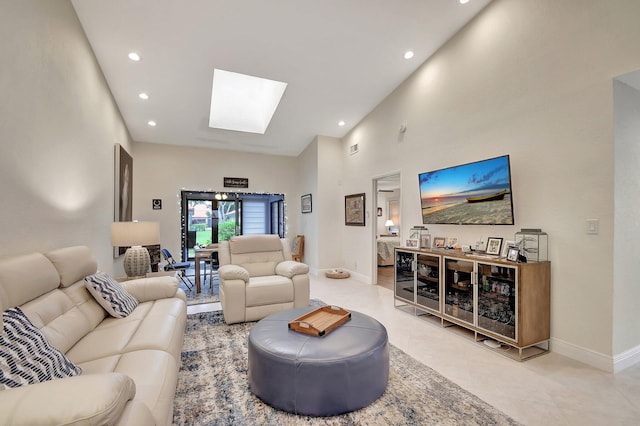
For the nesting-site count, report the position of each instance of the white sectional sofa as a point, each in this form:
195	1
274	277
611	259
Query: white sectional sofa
129	365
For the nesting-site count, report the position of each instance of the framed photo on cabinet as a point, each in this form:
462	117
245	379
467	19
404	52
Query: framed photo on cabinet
493	245
412	242
512	254
439	242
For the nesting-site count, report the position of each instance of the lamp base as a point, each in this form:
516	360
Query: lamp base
136	262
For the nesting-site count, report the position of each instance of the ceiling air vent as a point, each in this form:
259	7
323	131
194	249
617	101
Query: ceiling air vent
354	149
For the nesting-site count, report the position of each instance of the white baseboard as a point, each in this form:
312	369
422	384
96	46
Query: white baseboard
587	356
611	364
356	276
360	277
626	359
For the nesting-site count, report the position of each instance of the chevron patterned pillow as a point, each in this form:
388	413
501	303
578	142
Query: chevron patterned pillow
110	295
26	357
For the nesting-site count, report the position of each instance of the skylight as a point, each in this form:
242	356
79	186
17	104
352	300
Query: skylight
242	102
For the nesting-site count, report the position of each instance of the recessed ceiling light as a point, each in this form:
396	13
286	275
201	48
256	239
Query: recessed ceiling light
341	123
408	54
151	123
242	102
143	96
463	1
134	56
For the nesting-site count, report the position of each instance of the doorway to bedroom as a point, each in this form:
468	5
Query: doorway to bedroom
387	228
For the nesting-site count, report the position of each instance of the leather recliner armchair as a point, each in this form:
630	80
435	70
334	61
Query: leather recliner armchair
258	278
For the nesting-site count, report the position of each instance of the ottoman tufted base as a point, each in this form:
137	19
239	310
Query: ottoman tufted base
342	371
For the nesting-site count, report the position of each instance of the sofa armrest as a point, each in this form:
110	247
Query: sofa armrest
153	288
233	272
289	268
84	399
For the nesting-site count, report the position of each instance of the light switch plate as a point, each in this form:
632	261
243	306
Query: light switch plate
593	226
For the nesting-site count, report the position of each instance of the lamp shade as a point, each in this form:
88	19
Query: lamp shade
389	222
127	234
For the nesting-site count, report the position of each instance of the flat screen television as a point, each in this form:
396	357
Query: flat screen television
477	193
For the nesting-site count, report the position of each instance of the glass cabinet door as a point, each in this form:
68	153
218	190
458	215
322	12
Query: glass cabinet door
428	281
497	299
458	289
404	276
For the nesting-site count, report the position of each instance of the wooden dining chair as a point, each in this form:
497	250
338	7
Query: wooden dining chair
298	248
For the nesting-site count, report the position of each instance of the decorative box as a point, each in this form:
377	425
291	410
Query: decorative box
533	244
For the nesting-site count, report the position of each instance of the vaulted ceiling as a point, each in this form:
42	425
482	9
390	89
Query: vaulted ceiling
340	58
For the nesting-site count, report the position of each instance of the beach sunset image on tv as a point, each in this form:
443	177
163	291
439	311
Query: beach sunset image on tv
476	193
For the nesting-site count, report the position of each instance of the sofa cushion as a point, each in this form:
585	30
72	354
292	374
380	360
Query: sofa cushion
26	357
156	325
60	321
110	295
24	278
73	263
254	243
268	290
88	399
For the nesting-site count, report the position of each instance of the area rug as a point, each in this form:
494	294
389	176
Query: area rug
213	388
208	293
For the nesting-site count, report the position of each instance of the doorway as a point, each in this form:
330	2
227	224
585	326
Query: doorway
208	217
387	200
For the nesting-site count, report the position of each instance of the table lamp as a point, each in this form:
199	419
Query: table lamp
135	235
389	224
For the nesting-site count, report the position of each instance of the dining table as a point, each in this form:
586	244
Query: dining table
203	253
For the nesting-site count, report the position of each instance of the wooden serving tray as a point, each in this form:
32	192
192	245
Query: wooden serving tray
320	321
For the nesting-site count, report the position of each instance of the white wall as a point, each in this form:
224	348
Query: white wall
320	174
331	202
163	171
58	127
626	293
308	181
533	80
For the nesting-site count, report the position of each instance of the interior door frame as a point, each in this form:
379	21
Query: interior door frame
374	246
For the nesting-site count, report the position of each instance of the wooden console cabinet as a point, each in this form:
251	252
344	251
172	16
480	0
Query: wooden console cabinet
493	298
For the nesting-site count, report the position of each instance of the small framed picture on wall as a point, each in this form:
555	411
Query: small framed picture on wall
354	209
305	201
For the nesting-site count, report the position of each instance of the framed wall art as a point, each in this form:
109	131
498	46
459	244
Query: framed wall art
123	190
305	201
354	212
124	185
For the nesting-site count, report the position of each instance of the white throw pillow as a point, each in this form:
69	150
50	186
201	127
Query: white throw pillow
110	295
26	357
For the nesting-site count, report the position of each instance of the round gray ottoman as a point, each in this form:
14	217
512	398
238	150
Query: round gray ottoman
342	371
